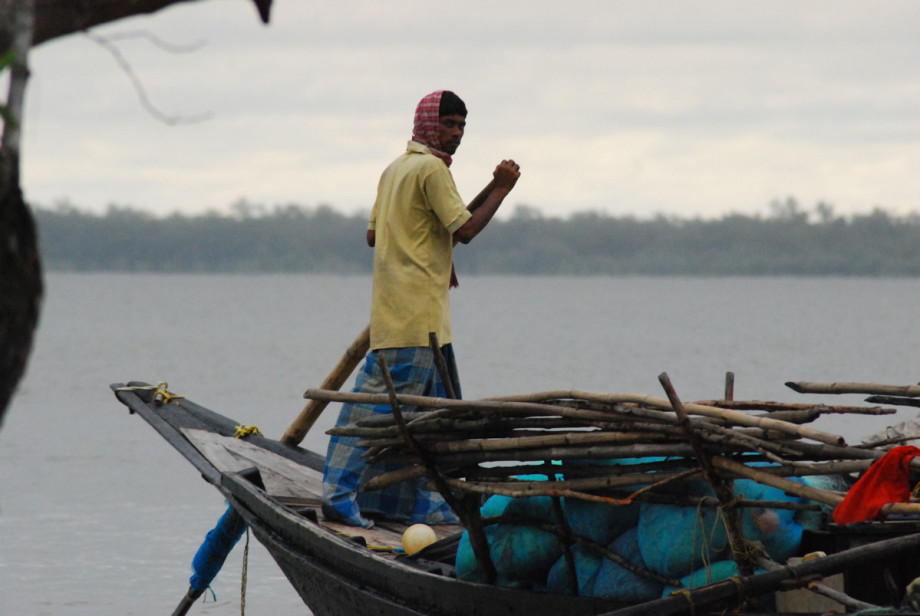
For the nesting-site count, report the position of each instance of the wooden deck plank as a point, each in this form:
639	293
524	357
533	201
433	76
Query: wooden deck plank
295	486
282	477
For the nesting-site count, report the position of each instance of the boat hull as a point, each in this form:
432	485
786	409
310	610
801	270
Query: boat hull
336	577
333	575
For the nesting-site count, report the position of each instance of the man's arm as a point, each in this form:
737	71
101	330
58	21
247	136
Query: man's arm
481	197
488	201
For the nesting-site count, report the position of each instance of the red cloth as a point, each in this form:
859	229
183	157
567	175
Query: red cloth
427	123
886	481
425	131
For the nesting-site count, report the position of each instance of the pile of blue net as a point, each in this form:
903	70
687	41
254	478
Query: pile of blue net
657	548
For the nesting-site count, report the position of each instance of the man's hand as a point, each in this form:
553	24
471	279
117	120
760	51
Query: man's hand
506	174
486	203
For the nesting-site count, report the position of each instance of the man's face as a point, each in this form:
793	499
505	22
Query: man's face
450	132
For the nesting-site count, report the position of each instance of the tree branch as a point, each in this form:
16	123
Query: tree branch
57	18
146	103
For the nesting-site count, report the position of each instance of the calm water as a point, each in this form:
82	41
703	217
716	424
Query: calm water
98	516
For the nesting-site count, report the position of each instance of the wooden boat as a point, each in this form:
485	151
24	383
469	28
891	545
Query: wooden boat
346	571
276	489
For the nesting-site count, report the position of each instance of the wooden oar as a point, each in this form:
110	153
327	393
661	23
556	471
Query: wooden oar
215	553
314	408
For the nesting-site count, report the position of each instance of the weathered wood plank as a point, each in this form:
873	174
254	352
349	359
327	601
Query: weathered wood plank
281	476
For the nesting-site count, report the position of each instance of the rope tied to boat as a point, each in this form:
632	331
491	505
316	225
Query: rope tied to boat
163	395
739	585
685	593
244	431
700	532
160	391
747	551
373	547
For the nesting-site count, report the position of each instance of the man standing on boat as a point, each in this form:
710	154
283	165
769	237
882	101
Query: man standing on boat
417	218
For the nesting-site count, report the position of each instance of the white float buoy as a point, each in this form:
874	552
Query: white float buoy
416	537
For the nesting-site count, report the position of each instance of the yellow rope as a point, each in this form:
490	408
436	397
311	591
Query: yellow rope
729	538
243	431
161	392
374	547
739	585
683	592
706	546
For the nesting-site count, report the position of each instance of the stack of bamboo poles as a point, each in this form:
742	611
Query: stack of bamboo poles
470	449
481	446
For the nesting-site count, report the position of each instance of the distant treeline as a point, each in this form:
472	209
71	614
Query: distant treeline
789	240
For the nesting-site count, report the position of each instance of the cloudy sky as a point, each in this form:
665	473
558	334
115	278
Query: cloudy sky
686	108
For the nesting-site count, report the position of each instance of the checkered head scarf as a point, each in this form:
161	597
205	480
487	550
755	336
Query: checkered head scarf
425	131
427	120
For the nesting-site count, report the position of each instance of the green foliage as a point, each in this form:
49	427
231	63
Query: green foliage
291	238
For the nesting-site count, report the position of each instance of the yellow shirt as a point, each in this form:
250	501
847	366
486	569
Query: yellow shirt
414	217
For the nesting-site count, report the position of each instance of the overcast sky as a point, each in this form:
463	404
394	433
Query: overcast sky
683	108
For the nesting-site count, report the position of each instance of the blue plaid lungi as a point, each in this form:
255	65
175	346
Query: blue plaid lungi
413	372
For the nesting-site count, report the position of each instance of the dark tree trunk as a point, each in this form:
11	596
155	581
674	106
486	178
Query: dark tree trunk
20	265
20	287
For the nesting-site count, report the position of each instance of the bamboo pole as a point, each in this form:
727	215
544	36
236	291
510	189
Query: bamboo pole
467	511
409	472
621	495
454	441
340	373
441	365
493	426
807	387
830	452
768	479
599	452
692	409
895	400
637	473
771	407
766	444
437	422
532	442
522	404
453	437
776	477
721	488
820	589
571	489
796	416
